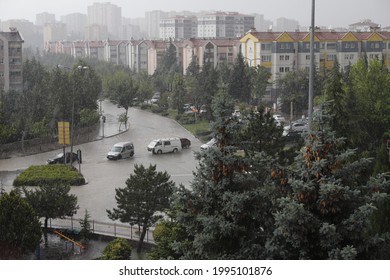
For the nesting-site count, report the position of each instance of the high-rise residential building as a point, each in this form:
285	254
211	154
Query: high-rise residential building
32	34
106	14
178	27
262	24
96	32
11	59
54	32
43	18
285	24
224	25
75	25
152	22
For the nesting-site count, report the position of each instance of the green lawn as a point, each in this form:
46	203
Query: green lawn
200	129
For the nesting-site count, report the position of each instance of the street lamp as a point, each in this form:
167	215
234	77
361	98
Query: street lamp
79	67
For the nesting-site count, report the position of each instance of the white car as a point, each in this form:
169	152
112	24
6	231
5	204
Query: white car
295	126
208	145
165	145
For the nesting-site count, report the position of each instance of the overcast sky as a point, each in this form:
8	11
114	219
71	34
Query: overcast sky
334	13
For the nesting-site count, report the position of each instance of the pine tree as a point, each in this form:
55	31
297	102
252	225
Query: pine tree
329	209
240	86
226	213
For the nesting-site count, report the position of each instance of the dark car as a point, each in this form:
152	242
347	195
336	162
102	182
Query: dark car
59	159
185	143
294	136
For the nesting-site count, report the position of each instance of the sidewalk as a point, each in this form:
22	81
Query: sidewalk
108	129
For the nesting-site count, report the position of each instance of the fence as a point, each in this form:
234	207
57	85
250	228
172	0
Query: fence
103	228
44	144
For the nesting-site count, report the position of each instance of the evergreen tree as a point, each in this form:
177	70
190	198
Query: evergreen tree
336	97
259	76
85	224
328	211
178	93
240	86
226	213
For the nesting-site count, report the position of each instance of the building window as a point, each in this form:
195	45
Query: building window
331	46
284	57
265	47
308	57
281	69
266	58
331	57
284	46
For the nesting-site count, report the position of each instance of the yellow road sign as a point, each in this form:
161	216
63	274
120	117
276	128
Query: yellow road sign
63	133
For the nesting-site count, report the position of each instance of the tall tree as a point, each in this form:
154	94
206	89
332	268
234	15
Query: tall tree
146	195
226	213
20	229
370	87
328	211
240	86
178	93
123	90
259	76
334	93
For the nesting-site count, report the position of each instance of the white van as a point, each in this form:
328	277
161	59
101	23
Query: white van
121	150
165	145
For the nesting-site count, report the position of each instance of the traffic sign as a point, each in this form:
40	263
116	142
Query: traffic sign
63	133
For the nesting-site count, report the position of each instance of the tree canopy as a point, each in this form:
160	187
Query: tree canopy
20	229
146	195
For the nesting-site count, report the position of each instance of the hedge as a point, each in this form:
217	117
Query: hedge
53	174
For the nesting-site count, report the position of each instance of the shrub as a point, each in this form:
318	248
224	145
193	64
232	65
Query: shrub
56	174
118	249
145	106
187	119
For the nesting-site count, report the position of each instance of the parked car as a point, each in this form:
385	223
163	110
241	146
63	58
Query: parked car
165	145
208	145
156	98
293	136
185	143
59	159
295	126
121	150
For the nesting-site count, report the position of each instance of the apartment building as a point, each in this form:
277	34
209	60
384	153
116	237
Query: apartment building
178	28
11	59
75	25
106	14
224	25
281	52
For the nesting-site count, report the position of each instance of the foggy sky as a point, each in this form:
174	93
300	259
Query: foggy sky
330	13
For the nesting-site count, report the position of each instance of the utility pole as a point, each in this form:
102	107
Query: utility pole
312	65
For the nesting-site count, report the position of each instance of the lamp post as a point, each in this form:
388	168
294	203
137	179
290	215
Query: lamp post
79	67
311	73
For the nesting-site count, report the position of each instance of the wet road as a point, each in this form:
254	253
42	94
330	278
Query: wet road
104	176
